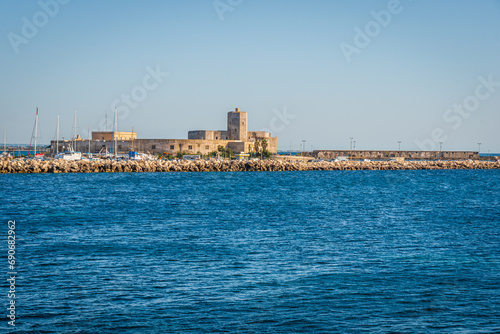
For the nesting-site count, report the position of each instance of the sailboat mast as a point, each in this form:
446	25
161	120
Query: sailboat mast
132	139
57	136
36	128
115	132
74	126
74	133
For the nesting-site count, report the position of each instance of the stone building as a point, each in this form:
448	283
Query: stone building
236	137
111	135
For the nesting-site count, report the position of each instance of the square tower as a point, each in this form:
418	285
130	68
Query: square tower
237	125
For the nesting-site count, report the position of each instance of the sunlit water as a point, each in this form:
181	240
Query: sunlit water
318	252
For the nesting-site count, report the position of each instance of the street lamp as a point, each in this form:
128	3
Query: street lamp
440	146
479	144
350	147
303	146
399	145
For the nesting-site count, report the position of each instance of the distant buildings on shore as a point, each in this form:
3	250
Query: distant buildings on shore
236	137
378	154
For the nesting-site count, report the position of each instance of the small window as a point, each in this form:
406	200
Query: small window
172	147
153	147
207	147
190	147
216	138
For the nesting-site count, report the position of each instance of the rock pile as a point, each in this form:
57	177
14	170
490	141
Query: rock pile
111	166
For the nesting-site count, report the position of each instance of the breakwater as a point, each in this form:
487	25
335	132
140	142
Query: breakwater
110	166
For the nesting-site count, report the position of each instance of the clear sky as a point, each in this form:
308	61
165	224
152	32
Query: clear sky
420	72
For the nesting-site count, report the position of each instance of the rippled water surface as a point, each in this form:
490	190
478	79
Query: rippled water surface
318	252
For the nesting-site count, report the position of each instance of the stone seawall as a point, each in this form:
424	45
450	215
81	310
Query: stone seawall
108	166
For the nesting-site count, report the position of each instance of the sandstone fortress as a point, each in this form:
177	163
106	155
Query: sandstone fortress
236	137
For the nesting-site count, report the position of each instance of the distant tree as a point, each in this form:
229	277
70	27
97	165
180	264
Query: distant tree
212	154
256	146
264	144
266	154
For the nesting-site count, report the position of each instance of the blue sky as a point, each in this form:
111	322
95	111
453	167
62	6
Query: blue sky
423	73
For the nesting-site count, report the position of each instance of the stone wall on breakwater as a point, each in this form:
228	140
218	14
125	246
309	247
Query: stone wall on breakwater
413	155
109	166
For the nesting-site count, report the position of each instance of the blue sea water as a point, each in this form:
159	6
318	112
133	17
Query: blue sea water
282	252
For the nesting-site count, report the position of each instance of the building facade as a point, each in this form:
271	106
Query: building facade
112	135
412	155
236	137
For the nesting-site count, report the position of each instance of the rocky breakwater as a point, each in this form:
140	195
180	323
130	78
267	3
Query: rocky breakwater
110	166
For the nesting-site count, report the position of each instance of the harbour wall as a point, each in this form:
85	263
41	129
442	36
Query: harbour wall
107	166
374	154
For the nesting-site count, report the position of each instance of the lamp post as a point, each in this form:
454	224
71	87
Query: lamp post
350	147
399	145
303	146
479	144
440	146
